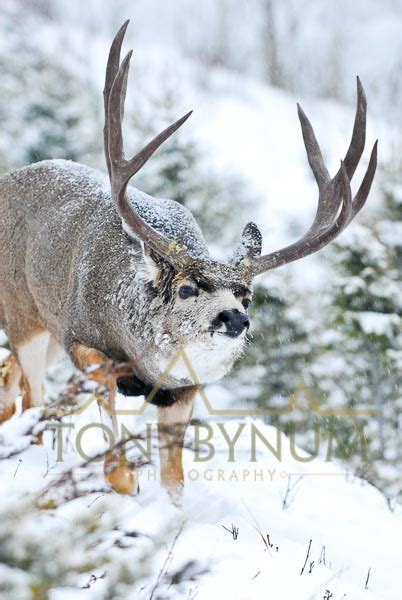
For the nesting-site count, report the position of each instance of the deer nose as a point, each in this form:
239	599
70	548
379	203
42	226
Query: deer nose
235	321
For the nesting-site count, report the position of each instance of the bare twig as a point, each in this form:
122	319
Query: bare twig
92	580
322	558
18	466
367	579
392	502
270	544
167	560
307	556
265	539
324	587
288	498
234	531
67	476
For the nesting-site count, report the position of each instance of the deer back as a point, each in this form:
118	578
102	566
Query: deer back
64	239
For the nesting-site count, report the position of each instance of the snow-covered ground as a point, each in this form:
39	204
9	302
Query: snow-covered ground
273	528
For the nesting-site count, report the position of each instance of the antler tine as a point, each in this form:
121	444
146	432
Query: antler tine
312	243
330	199
358	140
112	69
328	202
120	169
364	189
334	194
115	116
313	150
320	239
141	157
116	150
347	206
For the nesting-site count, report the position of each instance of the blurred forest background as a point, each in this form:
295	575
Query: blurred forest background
326	332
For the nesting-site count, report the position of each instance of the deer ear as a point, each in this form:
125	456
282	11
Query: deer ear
250	244
151	263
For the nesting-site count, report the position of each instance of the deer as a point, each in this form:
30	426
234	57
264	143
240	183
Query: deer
120	281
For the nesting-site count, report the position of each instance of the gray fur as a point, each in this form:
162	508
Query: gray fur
68	264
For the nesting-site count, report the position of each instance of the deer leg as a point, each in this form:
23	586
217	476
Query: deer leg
24	369
118	473
32	360
10	375
54	352
172	424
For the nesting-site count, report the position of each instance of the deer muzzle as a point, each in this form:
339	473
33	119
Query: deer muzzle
233	322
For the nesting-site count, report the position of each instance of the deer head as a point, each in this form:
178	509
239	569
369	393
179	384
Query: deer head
218	294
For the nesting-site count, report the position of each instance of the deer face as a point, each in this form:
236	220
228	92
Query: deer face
203	312
212	324
218	311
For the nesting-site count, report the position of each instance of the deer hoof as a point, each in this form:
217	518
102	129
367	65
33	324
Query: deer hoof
175	493
119	475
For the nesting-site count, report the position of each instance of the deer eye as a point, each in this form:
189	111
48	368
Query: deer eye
246	303
186	291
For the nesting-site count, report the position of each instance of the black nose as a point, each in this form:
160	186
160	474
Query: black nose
235	321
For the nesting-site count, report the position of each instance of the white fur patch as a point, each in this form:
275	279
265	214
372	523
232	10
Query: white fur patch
32	358
210	360
55	352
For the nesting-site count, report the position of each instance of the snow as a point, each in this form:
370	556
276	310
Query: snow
4	353
350	526
379	323
391	233
165	216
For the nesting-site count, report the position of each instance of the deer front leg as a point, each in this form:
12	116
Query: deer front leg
172	424
10	375
119	475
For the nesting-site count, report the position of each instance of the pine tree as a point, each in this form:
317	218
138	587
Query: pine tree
363	354
47	110
273	373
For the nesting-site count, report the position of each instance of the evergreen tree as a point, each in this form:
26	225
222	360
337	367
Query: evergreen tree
273	373
47	110
361	366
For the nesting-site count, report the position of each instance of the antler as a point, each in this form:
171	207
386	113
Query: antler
121	170
336	208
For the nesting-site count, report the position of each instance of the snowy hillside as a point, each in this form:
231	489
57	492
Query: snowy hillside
270	528
272	40
241	125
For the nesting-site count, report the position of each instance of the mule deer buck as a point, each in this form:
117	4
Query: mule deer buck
106	273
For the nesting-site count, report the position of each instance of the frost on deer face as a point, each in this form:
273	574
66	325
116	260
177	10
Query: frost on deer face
204	314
